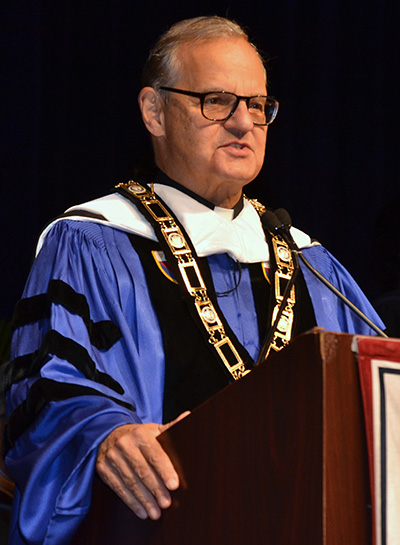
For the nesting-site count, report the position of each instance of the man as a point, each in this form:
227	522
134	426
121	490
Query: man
142	304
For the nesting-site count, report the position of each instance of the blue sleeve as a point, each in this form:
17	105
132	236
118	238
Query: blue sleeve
87	358
330	313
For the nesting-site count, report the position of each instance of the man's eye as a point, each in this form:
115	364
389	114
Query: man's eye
216	100
257	106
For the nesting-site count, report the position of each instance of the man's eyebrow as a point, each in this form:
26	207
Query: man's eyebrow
219	90
215	90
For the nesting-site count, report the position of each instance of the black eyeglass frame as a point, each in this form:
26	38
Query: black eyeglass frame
202	97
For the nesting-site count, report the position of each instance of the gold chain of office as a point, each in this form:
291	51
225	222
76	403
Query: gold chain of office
195	285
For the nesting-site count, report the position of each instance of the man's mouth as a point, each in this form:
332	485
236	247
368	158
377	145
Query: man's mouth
237	145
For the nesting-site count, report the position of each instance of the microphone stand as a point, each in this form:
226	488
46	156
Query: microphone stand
341	296
279	222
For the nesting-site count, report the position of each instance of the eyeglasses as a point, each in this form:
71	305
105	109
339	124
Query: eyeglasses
221	105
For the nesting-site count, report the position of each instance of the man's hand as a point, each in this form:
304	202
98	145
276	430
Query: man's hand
132	463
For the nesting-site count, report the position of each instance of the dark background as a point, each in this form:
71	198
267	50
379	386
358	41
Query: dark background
71	128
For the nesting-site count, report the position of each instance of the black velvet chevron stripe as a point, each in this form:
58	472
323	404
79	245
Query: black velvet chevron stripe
66	349
102	334
42	392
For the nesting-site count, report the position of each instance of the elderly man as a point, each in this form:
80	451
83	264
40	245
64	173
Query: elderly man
142	304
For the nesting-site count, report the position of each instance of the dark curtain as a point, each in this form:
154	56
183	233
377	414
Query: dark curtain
71	127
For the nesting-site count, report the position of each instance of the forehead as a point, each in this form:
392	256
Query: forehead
229	64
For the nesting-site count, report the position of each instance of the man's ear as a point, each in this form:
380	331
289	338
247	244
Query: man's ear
151	106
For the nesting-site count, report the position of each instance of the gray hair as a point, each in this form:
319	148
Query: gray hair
162	65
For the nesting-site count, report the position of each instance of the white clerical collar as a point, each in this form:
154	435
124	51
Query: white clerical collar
226	213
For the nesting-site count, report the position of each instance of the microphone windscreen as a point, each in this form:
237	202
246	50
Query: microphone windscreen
283	216
270	221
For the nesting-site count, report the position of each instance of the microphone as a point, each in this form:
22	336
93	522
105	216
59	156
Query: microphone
284	217
272	222
280	222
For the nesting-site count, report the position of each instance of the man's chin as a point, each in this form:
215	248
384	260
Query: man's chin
240	170
240	177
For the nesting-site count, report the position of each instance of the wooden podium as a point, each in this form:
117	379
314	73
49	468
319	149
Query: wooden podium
277	458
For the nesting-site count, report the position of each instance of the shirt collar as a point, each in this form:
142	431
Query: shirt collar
162	178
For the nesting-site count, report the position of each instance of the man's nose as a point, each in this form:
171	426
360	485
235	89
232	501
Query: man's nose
241	118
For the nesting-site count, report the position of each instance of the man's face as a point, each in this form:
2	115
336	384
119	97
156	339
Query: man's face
215	159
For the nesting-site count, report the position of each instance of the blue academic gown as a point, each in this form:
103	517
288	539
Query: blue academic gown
53	461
